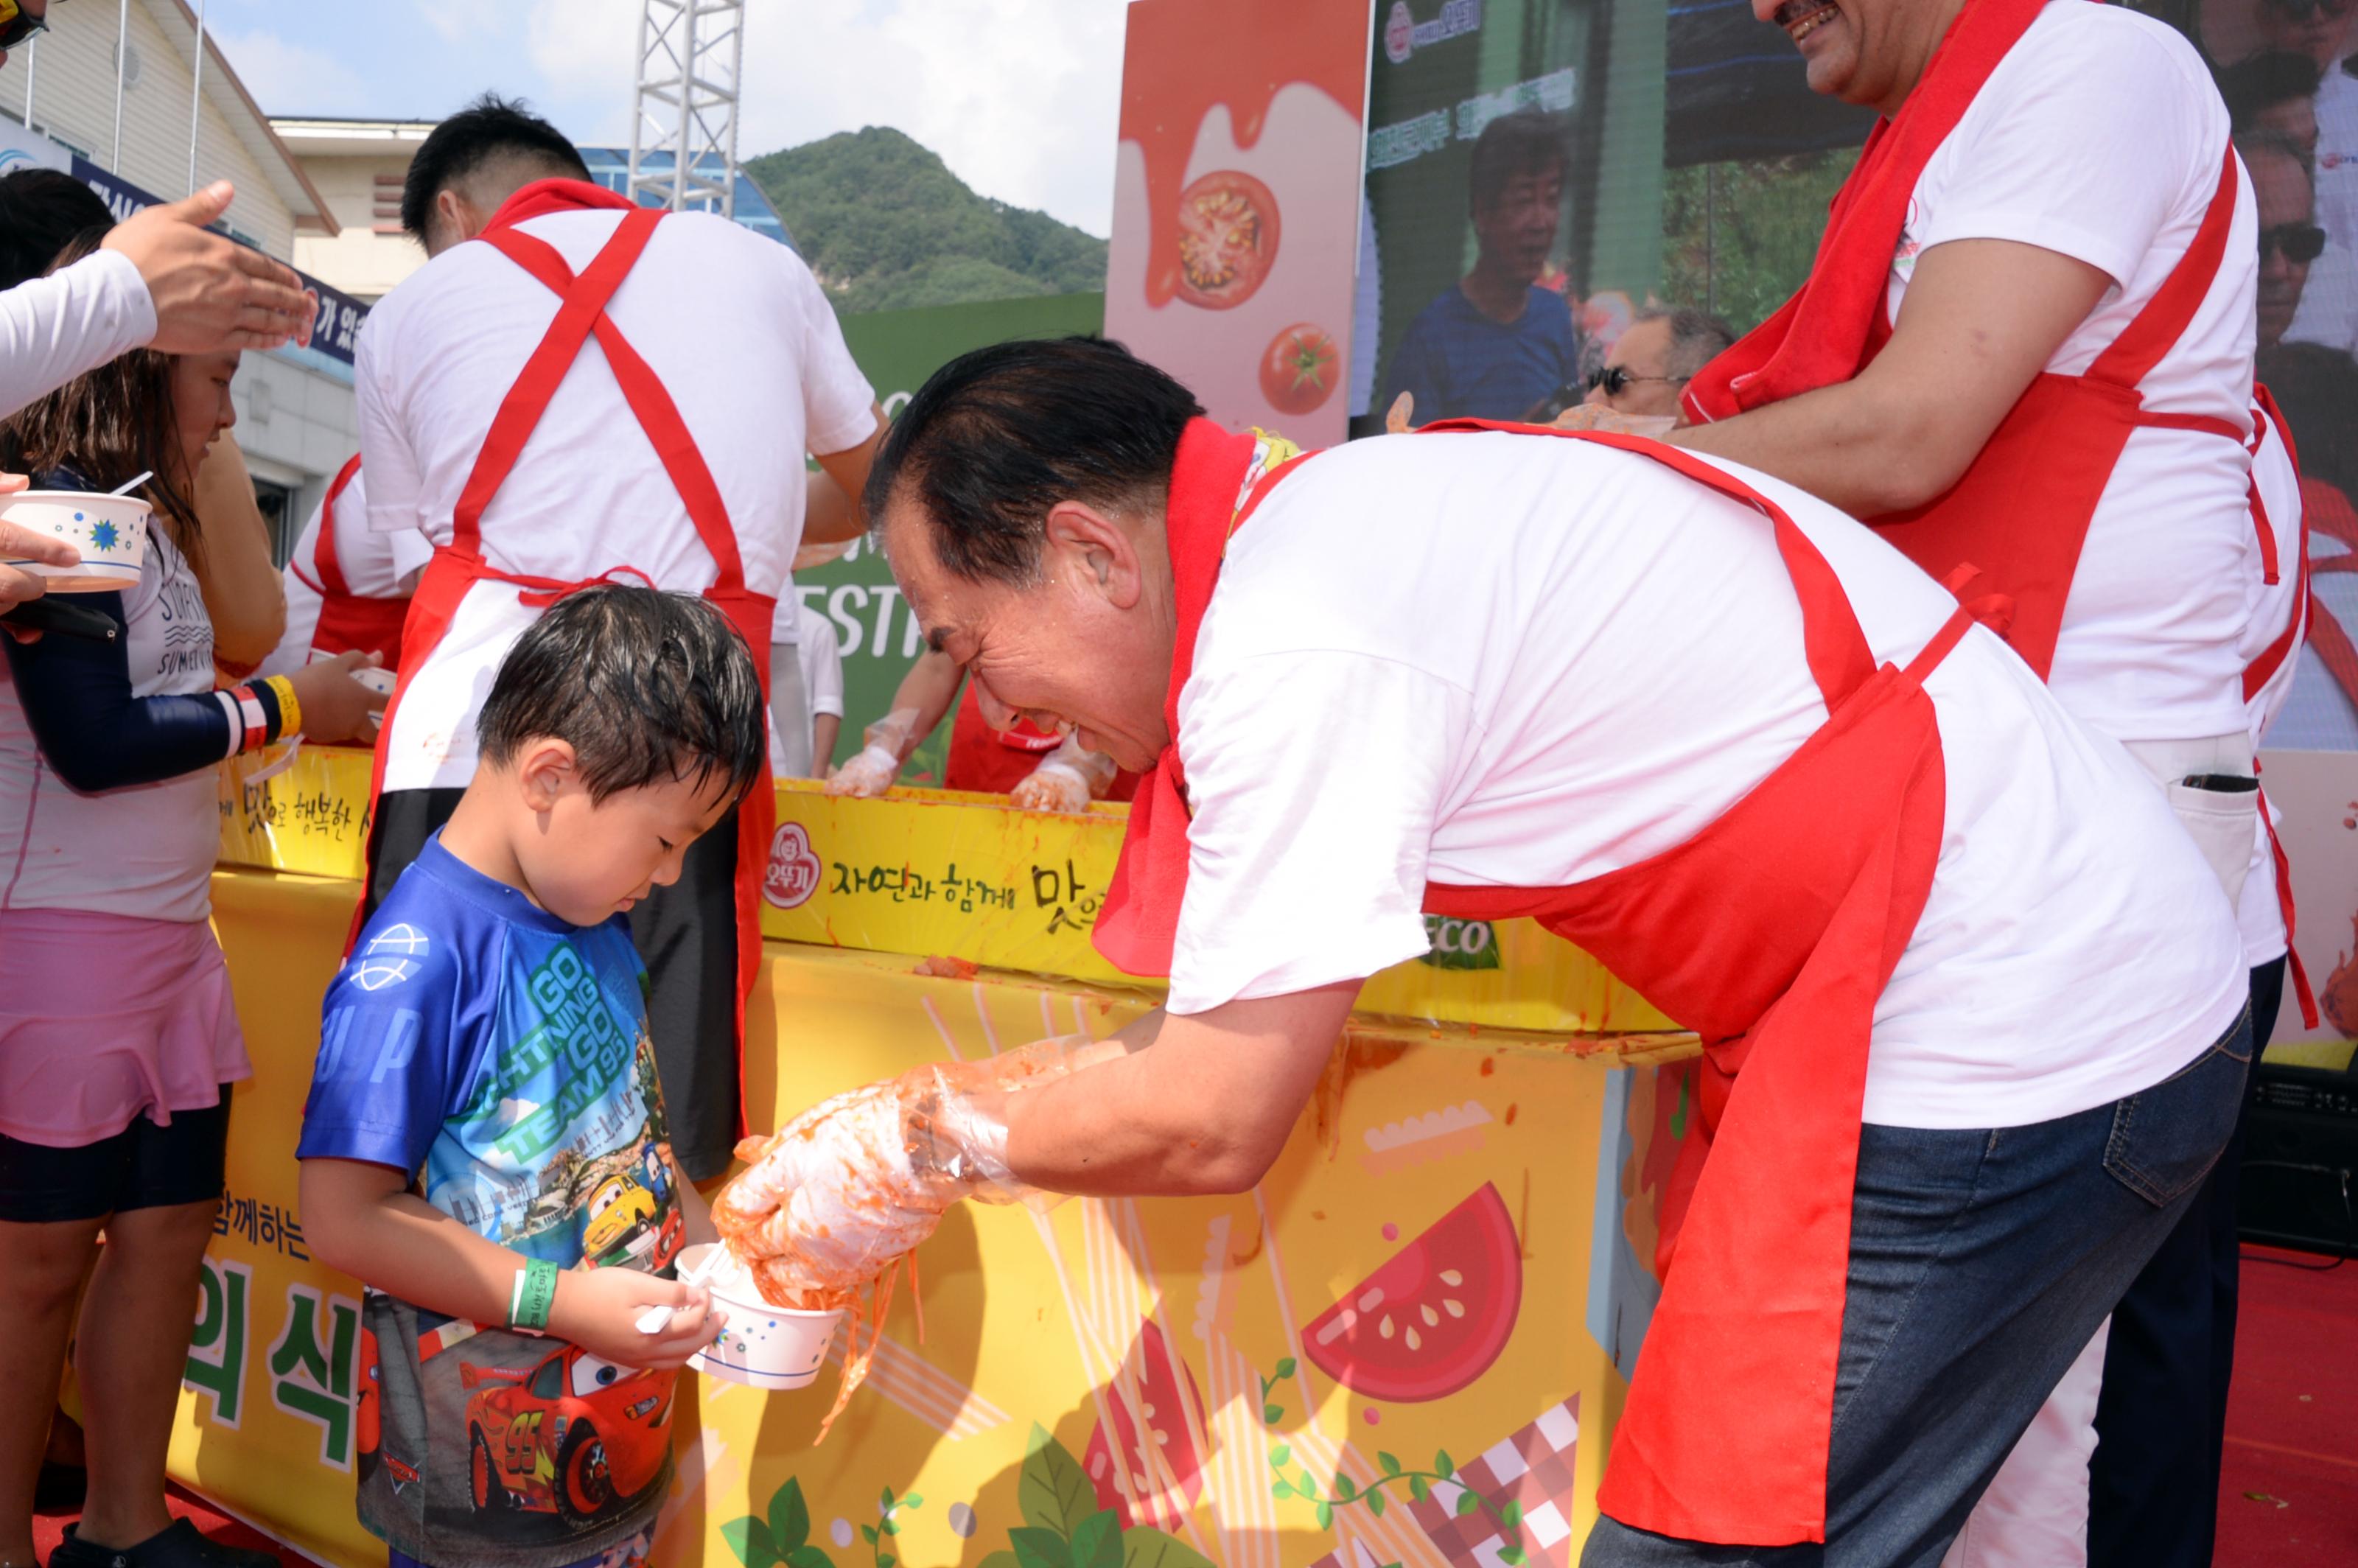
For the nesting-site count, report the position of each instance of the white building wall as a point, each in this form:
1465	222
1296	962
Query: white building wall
73	102
361	261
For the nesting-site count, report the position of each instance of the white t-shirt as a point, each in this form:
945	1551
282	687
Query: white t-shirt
366	557
822	662
2258	911
144	850
2100	136
740	335
1504	660
54	328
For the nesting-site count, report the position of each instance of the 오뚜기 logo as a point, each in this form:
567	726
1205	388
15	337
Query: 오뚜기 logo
792	875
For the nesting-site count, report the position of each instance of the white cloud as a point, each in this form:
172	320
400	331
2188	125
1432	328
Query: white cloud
1019	97
289	78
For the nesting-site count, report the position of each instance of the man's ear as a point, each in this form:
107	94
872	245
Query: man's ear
1101	549
544	771
457	216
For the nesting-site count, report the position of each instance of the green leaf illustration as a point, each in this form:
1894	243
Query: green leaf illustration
1097	1541
884	1562
1272	1414
1326	1516
1037	1546
1417	1489
1305	1485
890	1527
1285	1368
1511	1515
1145	1547
912	1500
1280	1455
750	1538
789	1517
868	1533
1392	1466
1000	1560
1510	1555
1344	1488
1375	1501
1281	1488
886	1506
808	1557
1467	1502
1442	1465
1054	1494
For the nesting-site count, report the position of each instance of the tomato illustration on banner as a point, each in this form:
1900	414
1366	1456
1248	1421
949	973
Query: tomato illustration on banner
1301	368
1434	1318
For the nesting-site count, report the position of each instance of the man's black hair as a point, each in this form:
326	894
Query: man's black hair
490	130
42	211
646	688
2251	87
996	438
1527	142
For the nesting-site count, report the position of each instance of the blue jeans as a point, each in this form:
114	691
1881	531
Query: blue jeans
1981	1261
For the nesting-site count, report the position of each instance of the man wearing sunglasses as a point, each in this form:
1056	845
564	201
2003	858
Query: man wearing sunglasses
2290	237
1651	364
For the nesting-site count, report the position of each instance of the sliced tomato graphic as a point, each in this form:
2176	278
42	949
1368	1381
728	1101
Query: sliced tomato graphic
1433	1319
1165	1429
1227	238
1299	370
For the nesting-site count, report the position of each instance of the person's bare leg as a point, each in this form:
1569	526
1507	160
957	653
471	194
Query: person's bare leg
46	1264
131	1354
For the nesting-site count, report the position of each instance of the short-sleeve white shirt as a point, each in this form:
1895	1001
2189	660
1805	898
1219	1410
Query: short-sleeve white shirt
1503	660
740	335
2100	136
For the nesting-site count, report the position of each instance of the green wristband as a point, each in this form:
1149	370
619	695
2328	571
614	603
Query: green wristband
535	1294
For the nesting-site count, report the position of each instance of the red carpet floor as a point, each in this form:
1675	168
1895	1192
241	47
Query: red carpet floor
2289	1495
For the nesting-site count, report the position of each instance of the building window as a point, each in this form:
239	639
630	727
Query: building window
277	505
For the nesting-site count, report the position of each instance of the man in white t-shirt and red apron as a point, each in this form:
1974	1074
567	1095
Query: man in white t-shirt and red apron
574	389
2024	353
345	592
1973	1010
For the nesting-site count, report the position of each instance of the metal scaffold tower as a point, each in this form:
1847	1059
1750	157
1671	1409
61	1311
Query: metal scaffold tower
684	131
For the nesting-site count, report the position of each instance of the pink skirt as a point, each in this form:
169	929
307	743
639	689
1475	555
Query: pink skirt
106	1017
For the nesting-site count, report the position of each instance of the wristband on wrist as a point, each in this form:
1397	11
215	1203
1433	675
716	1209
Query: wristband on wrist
291	707
533	1294
256	723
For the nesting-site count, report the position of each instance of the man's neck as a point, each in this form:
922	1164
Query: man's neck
1927	25
1501	297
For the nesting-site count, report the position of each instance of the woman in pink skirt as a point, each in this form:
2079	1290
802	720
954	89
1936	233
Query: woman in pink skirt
118	1036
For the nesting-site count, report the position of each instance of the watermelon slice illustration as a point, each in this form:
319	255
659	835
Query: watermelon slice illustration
1433	1319
1161	1424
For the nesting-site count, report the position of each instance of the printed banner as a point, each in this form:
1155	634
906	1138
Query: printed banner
1336	1368
1236	205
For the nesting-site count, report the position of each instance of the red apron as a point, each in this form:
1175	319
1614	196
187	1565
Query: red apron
993	762
348	621
460	565
1771	933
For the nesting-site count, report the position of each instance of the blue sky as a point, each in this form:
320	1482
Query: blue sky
1019	96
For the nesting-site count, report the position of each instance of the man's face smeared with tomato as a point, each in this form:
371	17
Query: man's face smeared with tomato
1085	647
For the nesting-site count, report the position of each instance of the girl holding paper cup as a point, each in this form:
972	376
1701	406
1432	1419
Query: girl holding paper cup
118	1035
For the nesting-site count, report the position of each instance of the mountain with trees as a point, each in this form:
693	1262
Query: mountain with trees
886	225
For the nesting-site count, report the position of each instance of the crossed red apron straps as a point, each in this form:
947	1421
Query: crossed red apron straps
460	565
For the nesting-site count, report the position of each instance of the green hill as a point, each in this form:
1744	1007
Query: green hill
887	226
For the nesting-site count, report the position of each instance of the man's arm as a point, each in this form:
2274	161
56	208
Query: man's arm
924	693
831	503
1980	320
244	594
1205	1106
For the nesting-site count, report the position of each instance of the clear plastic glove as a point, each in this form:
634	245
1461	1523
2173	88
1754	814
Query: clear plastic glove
1397	419
1067	779
1598	417
890	741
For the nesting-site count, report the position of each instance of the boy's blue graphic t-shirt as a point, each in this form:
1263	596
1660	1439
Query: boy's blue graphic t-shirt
500	1058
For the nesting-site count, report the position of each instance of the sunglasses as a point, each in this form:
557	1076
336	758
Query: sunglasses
2297	242
1615	380
17	24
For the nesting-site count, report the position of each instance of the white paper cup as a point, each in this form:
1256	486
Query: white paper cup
377	679
110	532
764	1346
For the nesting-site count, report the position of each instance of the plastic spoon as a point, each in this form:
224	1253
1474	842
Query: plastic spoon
128	485
654	1319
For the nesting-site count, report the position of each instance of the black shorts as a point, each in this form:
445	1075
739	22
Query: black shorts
685	933
143	1166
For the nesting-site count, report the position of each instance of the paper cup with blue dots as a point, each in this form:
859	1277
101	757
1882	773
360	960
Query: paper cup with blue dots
764	1346
110	531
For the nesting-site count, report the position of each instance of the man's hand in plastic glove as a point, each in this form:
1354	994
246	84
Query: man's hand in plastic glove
1067	779
890	741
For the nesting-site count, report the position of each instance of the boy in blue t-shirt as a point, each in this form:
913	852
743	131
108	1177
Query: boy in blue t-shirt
485	1146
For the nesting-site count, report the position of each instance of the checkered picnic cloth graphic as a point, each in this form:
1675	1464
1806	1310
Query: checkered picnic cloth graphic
1533	1467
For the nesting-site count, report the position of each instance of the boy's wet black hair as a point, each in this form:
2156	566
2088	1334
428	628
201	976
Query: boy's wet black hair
490	130
646	687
